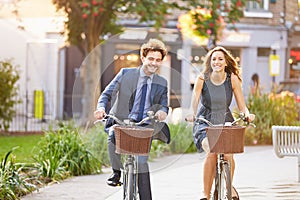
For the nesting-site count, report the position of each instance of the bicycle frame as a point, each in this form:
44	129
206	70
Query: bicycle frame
130	178
130	165
223	184
222	181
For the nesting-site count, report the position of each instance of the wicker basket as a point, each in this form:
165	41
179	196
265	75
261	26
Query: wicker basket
226	139
133	140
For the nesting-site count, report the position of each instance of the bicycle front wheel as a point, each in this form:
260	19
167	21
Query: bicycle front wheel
129	183
223	183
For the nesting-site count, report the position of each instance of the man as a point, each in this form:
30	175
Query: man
124	93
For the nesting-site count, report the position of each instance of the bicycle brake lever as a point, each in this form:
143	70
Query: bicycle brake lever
253	125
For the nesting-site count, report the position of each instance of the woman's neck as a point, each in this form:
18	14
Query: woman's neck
218	78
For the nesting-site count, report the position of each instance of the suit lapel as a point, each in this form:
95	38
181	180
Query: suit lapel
133	81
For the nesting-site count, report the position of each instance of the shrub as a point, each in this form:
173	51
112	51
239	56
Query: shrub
63	153
13	183
96	141
9	76
270	109
182	139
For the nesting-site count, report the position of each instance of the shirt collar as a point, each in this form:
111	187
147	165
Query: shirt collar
142	74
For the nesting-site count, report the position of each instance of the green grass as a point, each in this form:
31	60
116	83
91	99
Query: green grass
25	143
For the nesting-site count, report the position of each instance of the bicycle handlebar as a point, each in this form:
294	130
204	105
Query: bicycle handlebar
241	117
128	121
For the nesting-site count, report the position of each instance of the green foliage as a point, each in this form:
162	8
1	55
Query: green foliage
182	139
206	18
62	153
13	183
9	75
96	141
270	110
90	20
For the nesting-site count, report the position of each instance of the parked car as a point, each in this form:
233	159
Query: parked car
292	86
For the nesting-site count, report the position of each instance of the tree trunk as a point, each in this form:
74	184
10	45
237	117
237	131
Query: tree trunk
91	84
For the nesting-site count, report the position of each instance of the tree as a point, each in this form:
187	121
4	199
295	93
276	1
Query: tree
9	75
207	20
89	21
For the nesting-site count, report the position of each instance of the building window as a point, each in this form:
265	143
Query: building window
253	5
257	9
263	52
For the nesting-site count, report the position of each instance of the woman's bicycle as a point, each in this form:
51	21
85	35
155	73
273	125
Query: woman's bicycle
132	140
224	139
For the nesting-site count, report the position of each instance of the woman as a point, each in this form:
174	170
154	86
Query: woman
214	87
255	84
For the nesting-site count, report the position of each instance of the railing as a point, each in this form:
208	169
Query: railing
27	119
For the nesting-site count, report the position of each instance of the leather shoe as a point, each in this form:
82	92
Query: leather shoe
114	179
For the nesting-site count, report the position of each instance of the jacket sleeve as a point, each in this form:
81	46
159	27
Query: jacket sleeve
110	91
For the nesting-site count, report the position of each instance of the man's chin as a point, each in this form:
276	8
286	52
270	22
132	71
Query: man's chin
152	69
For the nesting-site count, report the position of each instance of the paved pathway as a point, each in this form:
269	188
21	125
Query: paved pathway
260	175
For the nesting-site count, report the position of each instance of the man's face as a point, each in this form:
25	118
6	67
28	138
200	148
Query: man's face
151	62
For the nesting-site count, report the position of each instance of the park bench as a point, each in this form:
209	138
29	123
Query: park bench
286	142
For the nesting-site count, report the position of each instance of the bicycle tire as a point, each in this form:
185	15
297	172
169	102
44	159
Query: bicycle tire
130	183
223	183
125	182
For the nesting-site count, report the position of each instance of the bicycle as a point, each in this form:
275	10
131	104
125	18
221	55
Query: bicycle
131	145
224	139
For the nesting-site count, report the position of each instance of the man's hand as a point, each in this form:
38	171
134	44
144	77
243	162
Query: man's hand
161	115
99	114
190	118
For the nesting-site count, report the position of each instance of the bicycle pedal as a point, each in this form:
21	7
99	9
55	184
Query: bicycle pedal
119	184
114	184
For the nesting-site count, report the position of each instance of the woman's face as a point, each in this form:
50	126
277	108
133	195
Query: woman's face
218	62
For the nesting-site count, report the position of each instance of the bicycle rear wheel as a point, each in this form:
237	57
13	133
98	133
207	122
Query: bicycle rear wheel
223	183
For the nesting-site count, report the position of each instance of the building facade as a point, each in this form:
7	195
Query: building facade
268	28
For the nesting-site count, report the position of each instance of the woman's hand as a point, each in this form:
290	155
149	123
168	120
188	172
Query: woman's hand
249	117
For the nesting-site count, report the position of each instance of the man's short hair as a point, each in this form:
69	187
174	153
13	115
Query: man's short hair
153	45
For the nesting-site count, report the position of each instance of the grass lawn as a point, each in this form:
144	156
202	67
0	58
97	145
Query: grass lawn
25	143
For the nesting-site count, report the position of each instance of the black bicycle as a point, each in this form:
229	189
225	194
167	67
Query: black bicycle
132	140
224	139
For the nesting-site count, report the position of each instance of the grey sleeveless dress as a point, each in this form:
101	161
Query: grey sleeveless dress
215	102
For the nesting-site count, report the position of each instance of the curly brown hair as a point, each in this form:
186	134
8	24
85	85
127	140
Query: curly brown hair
232	65
154	45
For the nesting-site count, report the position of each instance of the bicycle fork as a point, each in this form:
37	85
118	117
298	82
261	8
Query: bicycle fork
130	179
222	180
